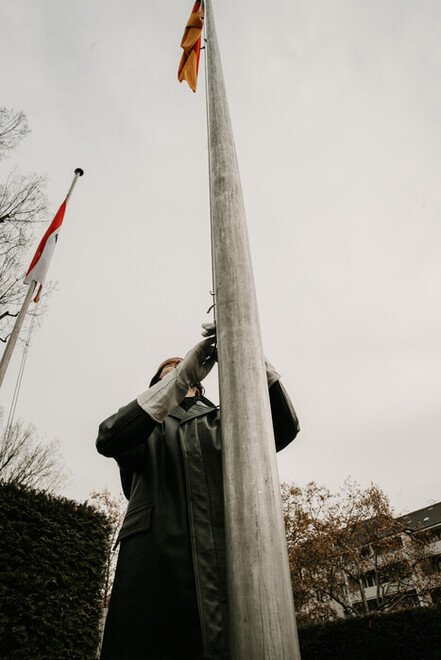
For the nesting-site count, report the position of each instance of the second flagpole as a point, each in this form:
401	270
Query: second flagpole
9	349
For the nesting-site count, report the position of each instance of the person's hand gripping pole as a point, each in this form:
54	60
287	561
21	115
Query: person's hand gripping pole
161	398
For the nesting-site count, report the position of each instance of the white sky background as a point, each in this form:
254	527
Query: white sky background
336	114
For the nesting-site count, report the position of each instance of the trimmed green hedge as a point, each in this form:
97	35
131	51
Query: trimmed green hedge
52	558
413	634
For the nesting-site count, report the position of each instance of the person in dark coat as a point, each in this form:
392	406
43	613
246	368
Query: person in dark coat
169	597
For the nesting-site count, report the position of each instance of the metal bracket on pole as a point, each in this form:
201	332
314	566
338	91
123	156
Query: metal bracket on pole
213	304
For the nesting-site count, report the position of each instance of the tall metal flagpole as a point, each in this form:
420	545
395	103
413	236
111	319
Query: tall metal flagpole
262	618
6	357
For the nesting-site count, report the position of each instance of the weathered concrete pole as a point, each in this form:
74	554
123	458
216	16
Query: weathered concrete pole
262	619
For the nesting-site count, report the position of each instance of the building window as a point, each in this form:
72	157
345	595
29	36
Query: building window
369	579
366	551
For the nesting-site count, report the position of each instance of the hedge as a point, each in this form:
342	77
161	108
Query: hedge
52	559
413	634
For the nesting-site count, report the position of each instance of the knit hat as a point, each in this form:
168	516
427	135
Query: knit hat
156	377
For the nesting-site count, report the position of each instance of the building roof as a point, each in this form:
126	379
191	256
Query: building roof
425	518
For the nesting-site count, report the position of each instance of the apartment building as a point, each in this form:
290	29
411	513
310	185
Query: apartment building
400	572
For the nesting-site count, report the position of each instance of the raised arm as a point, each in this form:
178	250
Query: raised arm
121	433
124	430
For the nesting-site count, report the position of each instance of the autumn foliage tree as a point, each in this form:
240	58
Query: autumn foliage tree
341	544
114	507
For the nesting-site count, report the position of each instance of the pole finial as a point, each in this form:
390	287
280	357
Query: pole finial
79	171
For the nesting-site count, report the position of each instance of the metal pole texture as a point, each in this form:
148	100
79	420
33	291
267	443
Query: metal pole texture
262	618
6	357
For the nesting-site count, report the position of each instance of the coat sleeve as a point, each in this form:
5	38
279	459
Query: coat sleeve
122	436
285	422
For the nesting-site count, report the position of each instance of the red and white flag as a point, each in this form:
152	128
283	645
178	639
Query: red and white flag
40	263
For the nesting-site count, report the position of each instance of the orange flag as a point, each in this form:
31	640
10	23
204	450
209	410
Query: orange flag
191	43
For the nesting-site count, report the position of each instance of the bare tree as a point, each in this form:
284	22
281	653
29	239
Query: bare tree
22	204
27	460
13	128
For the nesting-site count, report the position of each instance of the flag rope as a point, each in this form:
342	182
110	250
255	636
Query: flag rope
19	378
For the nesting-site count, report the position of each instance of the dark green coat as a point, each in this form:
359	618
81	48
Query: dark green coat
169	597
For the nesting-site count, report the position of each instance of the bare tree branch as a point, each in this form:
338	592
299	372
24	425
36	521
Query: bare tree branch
23	203
13	128
28	460
7	314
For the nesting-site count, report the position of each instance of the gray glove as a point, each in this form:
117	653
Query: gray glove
160	399
198	362
209	329
272	376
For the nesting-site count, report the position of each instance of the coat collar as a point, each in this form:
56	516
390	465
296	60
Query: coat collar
197	410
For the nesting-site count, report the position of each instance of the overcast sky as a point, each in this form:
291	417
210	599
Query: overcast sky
336	113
